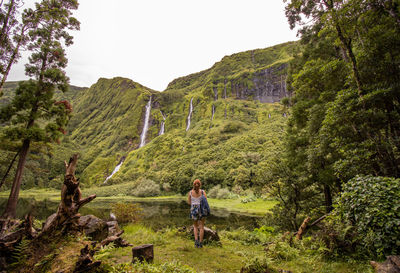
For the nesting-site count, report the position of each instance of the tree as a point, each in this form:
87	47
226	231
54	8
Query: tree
33	114
13	35
345	108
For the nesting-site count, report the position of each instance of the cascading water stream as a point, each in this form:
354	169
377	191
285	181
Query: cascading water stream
142	138
146	125
190	114
116	169
162	128
212	115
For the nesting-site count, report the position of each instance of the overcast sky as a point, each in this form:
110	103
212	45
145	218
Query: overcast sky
155	41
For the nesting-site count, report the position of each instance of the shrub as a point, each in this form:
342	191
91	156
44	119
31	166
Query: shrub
371	205
146	187
213	192
166	187
223	193
127	212
220	193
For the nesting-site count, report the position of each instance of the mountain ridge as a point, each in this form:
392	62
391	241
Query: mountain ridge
227	108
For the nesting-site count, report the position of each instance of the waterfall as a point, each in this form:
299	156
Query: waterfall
215	93
145	125
116	169
190	114
162	128
212	115
142	138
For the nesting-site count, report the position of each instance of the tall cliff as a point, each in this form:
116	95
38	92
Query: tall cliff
235	127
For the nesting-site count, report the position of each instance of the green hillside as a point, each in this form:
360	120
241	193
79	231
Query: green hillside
232	147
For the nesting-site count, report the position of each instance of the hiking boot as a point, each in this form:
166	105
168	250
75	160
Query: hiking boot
200	245
196	243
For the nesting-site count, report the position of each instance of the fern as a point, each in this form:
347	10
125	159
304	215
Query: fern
19	255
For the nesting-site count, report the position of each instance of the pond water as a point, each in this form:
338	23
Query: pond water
156	214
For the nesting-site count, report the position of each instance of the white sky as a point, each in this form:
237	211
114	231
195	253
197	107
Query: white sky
155	41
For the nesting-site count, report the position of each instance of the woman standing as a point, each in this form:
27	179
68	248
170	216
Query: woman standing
194	198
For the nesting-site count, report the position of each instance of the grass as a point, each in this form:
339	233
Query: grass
171	245
258	207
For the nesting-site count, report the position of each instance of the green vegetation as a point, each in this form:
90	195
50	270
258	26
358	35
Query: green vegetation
234	149
342	139
239	248
33	116
127	212
369	207
337	153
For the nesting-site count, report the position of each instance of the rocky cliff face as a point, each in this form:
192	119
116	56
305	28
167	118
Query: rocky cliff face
267	85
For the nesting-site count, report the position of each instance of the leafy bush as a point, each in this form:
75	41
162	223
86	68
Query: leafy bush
127	212
220	193
166	187
146	187
372	206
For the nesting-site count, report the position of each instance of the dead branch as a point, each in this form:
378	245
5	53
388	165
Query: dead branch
302	228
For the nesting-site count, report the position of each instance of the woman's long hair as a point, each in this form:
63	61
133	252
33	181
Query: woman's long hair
196	185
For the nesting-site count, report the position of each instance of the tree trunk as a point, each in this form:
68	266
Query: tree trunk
11	207
9	168
11	60
5	22
328	198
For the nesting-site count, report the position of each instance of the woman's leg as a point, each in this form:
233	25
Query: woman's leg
195	229
201	227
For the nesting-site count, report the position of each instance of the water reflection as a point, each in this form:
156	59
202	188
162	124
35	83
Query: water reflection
159	214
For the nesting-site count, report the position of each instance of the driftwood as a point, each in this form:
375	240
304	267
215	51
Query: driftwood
116	239
143	253
391	265
8	241
67	216
85	261
65	220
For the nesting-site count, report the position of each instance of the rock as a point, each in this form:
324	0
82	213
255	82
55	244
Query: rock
49	220
143	252
391	265
94	227
113	228
209	234
267	85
